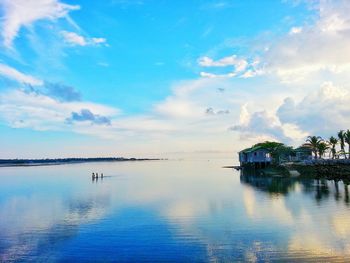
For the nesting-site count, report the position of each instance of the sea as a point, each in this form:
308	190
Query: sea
169	211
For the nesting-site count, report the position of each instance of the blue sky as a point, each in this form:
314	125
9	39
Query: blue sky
150	78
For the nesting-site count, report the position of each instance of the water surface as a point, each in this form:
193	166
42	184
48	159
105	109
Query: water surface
173	211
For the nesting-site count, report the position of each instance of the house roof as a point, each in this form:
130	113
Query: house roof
253	149
303	149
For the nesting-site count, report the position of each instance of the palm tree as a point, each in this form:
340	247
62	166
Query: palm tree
322	147
347	140
333	142
341	140
313	142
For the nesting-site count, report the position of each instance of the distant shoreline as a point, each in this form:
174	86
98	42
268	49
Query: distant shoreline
59	161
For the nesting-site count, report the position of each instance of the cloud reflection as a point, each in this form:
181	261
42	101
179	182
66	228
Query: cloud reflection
32	223
194	204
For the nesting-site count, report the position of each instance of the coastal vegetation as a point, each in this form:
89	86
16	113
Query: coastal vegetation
321	147
316	158
333	148
277	150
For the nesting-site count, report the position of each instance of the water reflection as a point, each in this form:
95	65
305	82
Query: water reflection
169	211
318	230
43	230
34	223
322	189
270	185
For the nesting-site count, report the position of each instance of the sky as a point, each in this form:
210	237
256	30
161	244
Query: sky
148	78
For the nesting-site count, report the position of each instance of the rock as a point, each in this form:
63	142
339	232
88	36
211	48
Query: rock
294	173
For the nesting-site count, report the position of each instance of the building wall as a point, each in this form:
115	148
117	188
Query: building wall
258	156
242	157
300	156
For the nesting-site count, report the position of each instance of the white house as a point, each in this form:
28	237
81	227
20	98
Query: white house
257	156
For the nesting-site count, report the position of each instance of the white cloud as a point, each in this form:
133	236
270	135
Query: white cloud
191	99
212	75
307	62
233	60
210	111
177	123
312	51
18	76
207	75
23	13
241	67
75	39
174	108
319	48
295	30
321	112
260	123
295	64
21	109
244	115
98	40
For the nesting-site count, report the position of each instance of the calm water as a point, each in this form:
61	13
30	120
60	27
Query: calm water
173	211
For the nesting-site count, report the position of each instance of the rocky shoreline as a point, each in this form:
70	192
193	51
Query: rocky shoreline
328	170
338	169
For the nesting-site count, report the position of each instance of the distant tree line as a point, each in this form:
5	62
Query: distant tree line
68	160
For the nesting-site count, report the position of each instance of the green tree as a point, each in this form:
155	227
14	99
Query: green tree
347	140
271	146
313	142
341	140
277	150
333	142
322	147
282	153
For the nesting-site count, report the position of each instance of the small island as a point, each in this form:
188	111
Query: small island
316	158
39	162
